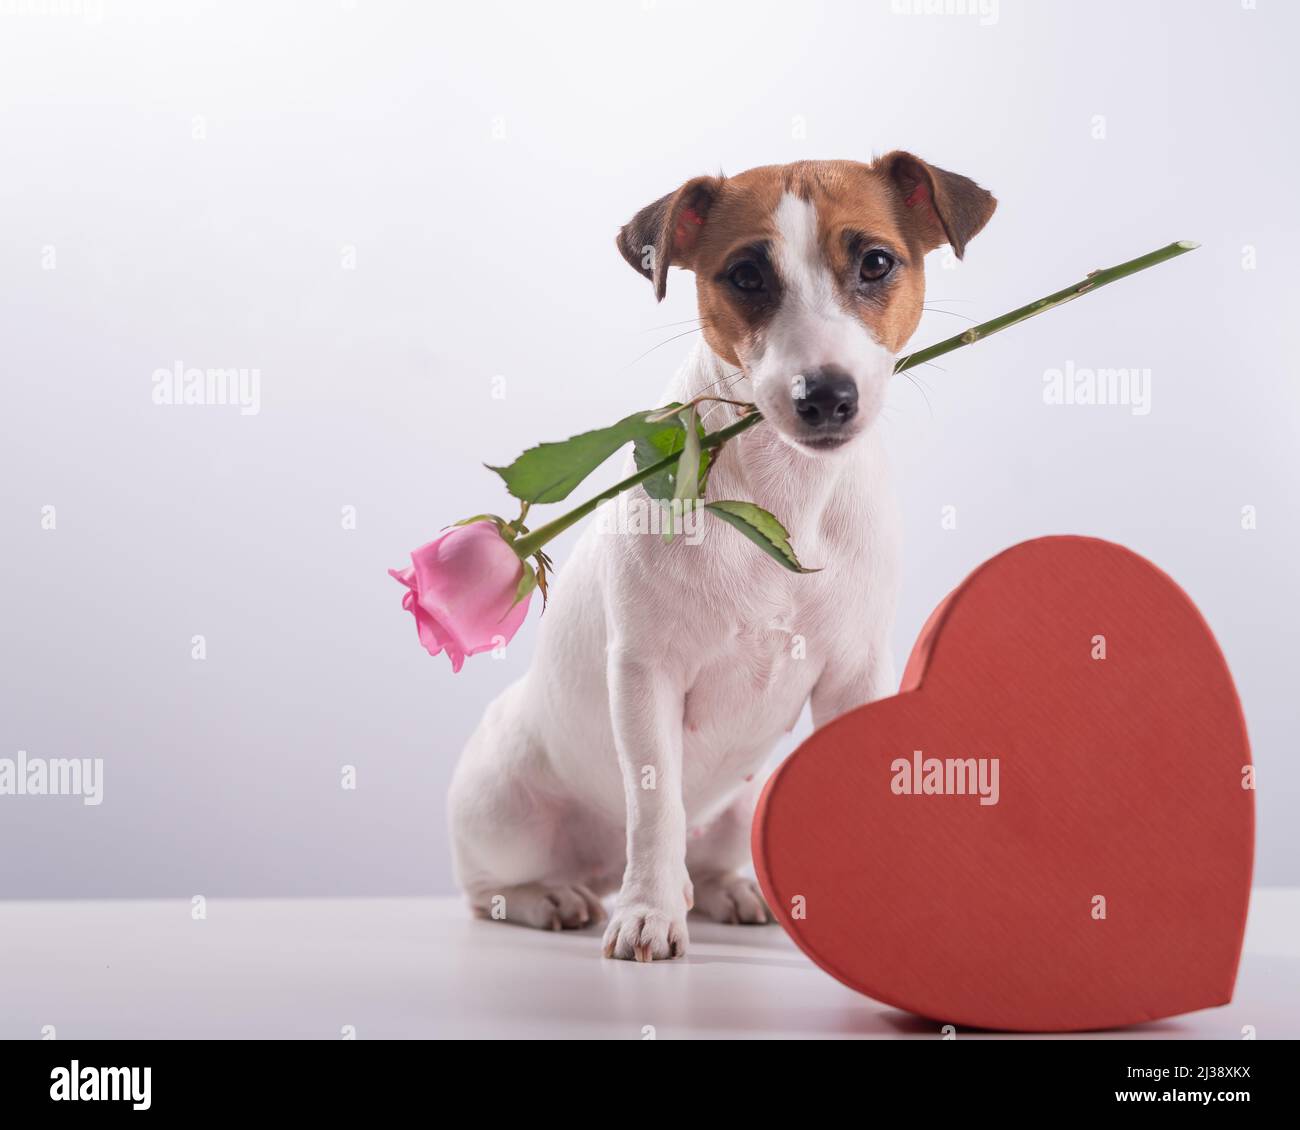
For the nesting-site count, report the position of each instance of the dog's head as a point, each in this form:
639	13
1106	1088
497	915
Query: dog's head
810	276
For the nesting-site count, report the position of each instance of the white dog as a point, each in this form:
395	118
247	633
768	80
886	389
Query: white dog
625	759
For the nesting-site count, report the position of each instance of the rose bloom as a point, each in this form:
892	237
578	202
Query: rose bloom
461	590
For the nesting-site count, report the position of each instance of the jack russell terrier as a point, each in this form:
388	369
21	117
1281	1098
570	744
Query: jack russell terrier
625	759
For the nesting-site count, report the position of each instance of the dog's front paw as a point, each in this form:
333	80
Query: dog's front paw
732	898
642	932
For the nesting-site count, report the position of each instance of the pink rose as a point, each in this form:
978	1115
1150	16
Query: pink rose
461	590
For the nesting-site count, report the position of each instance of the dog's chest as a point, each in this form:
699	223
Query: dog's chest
753	686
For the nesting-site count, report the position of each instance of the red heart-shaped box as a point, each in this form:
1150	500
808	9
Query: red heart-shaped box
1107	884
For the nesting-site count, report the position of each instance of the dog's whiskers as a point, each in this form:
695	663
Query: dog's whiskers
950	313
649	351
670	325
921	390
726	381
732	379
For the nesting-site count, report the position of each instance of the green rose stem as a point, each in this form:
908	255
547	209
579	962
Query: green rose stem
530	543
1060	298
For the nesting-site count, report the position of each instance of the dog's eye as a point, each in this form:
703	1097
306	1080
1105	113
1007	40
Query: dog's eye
746	276
875	266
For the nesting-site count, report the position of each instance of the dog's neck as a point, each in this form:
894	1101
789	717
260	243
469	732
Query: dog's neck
758	465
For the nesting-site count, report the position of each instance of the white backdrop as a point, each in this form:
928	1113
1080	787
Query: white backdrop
385	208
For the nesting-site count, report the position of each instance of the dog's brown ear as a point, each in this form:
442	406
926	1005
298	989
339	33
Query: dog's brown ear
937	206
664	234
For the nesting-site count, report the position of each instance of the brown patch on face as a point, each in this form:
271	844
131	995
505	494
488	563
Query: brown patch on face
741	230
725	230
855	213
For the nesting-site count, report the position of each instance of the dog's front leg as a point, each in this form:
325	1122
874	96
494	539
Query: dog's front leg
649	919
844	688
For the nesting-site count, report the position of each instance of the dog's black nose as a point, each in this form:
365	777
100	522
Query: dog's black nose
826	397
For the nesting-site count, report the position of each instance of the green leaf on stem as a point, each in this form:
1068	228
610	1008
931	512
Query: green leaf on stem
655	448
550	471
687	488
762	529
527	582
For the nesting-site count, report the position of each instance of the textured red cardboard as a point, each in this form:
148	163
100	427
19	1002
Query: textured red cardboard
1107	882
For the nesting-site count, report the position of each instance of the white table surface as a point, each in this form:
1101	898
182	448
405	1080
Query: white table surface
422	967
